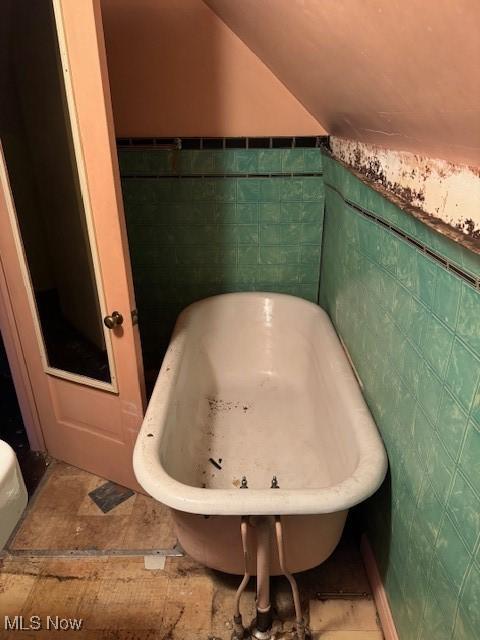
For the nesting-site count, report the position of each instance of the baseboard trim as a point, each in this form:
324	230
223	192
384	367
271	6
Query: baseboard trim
378	590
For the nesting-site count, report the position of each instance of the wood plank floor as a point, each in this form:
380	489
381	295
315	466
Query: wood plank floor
118	598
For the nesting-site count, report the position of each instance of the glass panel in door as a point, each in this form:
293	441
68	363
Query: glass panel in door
37	141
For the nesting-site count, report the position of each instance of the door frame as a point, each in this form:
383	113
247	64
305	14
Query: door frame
85	426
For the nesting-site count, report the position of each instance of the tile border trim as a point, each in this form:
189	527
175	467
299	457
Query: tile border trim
378	590
206	143
146	176
471	279
436	224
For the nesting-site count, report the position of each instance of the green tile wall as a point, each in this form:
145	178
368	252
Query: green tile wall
413	331
192	237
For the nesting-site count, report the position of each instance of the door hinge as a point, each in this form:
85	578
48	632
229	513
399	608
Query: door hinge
134	316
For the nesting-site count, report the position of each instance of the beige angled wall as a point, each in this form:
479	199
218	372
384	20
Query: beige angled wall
176	69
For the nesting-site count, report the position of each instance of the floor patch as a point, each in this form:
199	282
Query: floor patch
109	495
154	562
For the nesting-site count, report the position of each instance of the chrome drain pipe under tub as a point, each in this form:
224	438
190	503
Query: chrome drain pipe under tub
263	622
299	621
238	628
262	628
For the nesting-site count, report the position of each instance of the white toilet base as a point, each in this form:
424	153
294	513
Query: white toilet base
13	494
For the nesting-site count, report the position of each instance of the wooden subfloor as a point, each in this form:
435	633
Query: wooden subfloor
63	516
118	598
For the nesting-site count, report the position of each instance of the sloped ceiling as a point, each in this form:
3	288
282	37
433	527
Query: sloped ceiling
404	74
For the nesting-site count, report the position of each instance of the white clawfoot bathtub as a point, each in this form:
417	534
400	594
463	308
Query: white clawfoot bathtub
256	385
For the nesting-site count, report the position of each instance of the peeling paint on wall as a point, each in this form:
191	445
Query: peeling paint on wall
441	189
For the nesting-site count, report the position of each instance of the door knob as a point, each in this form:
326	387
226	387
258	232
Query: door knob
115	320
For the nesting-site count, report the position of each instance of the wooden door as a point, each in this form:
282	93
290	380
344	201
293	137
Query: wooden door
63	242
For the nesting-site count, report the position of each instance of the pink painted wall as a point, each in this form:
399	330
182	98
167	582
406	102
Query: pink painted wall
402	74
176	69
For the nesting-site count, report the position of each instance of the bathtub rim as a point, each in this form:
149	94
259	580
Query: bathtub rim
157	482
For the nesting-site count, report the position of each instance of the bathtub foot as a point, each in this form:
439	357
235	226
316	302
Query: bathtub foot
301	632
239	631
262	625
261	635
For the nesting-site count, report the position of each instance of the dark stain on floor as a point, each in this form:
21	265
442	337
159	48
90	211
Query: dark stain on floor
109	495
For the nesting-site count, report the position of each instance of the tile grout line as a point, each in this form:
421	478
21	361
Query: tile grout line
425	477
448	493
432	313
414	395
470	278
476	546
419	352
233	175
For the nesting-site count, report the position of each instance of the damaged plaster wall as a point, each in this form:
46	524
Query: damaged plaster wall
441	189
